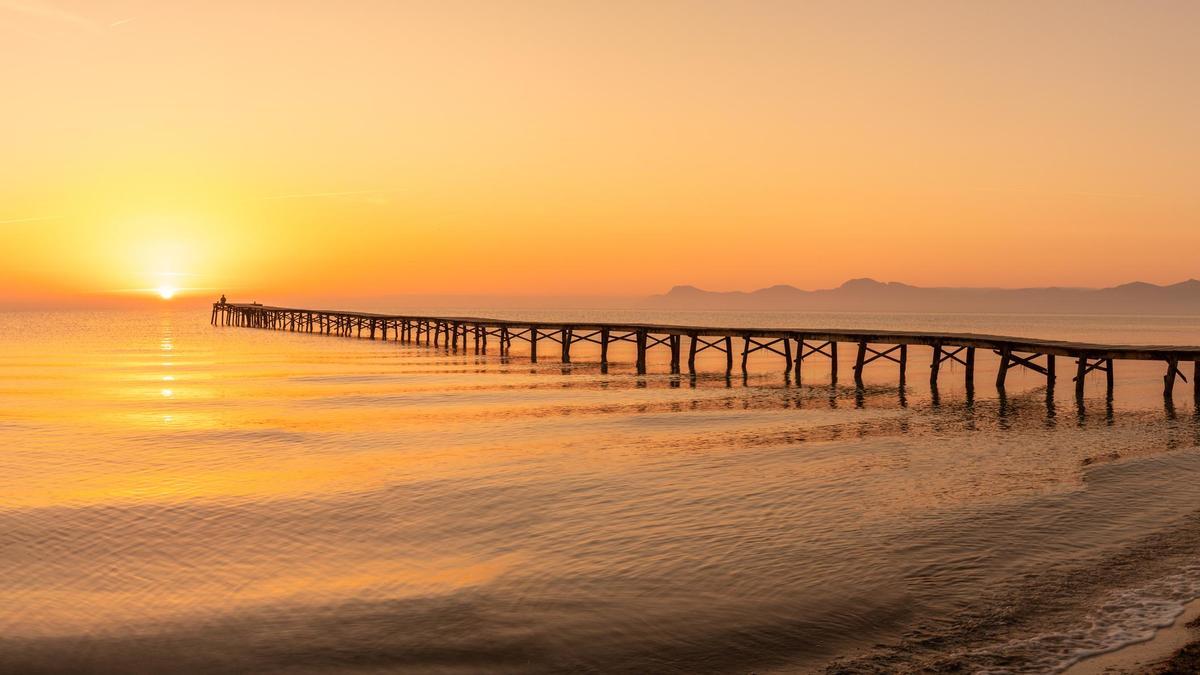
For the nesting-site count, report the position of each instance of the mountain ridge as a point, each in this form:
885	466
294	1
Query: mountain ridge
867	294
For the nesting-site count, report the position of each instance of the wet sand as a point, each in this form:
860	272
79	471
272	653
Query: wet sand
1175	649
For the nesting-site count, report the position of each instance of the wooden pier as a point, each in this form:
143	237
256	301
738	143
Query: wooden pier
793	346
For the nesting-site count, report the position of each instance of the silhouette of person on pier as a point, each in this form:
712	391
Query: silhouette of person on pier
222	298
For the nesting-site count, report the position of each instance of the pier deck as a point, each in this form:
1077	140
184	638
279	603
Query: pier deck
794	345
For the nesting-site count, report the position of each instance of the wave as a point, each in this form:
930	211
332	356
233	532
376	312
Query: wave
1124	617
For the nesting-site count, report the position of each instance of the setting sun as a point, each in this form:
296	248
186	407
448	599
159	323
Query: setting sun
166	292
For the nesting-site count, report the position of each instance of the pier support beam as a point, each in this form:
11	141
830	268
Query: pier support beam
969	377
1173	373
781	346
859	362
805	349
701	343
1084	365
641	351
1002	373
961	355
1009	359
862	360
935	365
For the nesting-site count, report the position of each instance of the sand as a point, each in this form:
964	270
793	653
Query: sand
1152	656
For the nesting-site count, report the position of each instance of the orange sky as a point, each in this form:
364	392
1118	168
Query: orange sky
379	147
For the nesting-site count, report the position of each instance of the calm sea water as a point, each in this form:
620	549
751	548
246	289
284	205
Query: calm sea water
176	497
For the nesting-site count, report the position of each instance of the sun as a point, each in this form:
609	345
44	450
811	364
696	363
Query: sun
166	292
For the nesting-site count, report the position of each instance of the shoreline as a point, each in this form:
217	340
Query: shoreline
1164	653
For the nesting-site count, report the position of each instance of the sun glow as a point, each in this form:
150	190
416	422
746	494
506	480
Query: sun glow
166	292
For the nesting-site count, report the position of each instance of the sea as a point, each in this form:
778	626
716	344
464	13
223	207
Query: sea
187	498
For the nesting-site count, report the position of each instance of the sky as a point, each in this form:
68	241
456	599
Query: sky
368	147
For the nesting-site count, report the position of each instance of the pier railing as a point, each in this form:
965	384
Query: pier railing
793	345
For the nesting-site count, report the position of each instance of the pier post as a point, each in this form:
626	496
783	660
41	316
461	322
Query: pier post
936	365
604	335
1108	371
1050	374
858	362
745	354
1080	374
787	355
1169	378
692	356
565	336
728	355
505	340
675	341
799	364
1002	374
641	351
833	363
970	367
903	363
533	338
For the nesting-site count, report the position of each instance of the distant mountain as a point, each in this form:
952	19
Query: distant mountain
869	295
